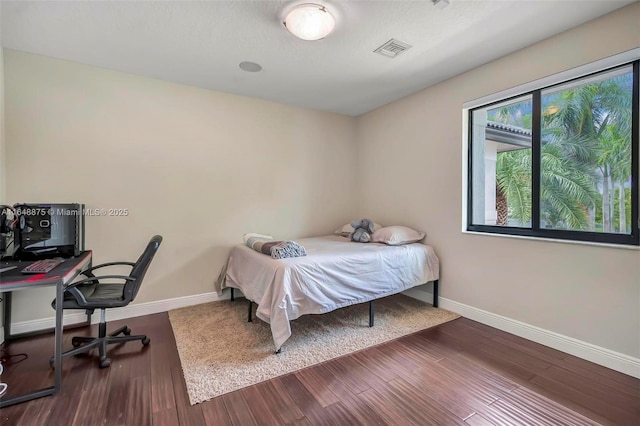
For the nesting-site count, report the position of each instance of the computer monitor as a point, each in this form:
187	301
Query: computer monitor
48	230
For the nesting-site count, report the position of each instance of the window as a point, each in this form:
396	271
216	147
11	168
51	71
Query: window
559	161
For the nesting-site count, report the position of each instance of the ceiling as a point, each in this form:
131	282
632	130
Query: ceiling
202	43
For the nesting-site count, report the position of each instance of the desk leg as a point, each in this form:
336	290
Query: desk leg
58	356
58	338
6	308
435	293
8	336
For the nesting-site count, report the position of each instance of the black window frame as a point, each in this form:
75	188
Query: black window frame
535	231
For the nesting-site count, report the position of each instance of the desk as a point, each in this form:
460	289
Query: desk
59	277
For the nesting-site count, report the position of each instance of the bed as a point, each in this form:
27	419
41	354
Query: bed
335	273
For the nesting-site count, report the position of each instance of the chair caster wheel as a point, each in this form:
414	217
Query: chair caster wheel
75	342
105	362
126	331
145	341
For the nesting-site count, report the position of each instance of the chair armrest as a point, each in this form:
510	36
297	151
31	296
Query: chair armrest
88	273
96	280
77	294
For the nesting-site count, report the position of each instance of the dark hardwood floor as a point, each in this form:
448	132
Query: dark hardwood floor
460	373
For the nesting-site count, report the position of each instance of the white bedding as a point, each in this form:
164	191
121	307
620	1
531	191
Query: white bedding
335	273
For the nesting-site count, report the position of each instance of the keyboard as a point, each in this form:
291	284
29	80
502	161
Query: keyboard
42	266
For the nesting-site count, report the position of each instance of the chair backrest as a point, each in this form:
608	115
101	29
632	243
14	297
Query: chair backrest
140	269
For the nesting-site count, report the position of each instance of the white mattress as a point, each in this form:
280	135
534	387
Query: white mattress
335	273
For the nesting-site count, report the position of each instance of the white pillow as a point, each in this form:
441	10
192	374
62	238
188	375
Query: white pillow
397	235
246	237
347	229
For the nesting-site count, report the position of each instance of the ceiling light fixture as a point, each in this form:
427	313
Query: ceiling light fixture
309	21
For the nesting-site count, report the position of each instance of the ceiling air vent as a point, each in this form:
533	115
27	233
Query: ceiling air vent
392	48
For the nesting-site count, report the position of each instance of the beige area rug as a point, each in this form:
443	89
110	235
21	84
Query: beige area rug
221	352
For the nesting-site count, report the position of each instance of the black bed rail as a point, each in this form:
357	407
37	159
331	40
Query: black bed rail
371	306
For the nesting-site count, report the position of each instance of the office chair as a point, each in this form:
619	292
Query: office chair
99	292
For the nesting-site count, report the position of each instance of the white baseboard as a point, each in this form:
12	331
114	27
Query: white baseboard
599	355
616	361
130	311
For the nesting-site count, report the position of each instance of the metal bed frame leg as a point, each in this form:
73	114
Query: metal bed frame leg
232	295
249	316
371	313
435	293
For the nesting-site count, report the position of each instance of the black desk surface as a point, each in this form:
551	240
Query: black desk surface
14	279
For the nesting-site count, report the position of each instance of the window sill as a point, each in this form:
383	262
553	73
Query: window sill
554	240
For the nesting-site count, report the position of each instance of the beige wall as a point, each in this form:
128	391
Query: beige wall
196	166
3	180
412	150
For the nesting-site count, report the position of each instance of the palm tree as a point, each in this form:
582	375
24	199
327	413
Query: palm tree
593	127
616	143
567	189
616	154
585	146
513	181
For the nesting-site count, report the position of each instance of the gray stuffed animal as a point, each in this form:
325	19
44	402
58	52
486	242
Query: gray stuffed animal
362	230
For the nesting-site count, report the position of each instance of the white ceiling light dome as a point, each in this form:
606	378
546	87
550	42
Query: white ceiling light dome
310	21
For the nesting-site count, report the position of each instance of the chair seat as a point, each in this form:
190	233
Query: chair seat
97	295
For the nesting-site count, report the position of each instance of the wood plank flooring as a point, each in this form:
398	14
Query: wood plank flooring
459	373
